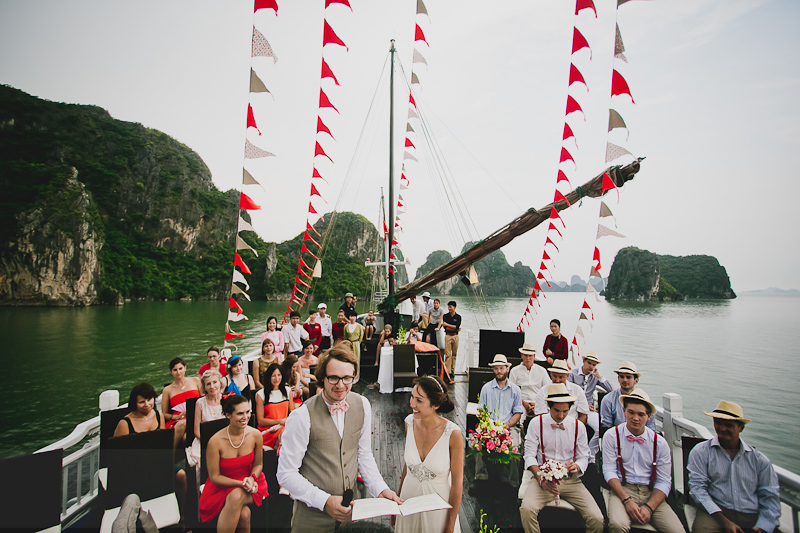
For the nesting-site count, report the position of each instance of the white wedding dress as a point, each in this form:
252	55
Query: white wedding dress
426	477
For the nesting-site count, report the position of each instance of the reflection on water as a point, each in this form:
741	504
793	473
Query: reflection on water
60	360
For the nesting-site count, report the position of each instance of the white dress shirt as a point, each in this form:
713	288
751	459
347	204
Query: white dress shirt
293	449
637	459
559	444
580	405
294	337
529	381
325	325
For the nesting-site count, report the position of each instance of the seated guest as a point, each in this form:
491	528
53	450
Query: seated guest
293	335
143	417
369	325
530	378
587	377
559	437
273	406
337	329
292	372
558	374
556	345
260	365
413	334
237	381
274	334
734	485
637	465
234	461
313	329
213	362
207	408
611	411
306	362
383	341
174	396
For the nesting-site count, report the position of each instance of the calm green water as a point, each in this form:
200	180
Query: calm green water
59	360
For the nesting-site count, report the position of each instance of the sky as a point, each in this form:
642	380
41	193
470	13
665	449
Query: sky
714	83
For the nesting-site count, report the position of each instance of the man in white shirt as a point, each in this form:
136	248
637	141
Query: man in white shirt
562	438
637	465
325	325
530	378
293	336
558	374
319	461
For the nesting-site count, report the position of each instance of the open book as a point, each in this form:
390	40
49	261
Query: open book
372	507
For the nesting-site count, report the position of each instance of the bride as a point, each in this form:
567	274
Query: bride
434	458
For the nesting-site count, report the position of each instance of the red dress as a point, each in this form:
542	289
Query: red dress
213	498
275	411
177	405
314	335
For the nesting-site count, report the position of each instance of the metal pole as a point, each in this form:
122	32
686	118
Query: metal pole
391	167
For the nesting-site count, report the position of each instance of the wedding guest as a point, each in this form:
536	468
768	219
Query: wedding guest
310	468
237	381
587	377
213	362
734	485
558	374
555	344
292	371
434	457
273	406
559	437
413	334
434	313
383	341
293	335
207	408
348	306
530	378
338	328
325	323
260	365
369	325
307	360
451	322
174	396
274	334
637	465
354	332
234	462
314	330
611	411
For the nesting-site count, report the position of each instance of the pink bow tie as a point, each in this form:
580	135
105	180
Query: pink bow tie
631	438
558	426
341	406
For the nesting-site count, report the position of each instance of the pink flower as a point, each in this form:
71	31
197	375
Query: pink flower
504	447
494	433
514	449
490	445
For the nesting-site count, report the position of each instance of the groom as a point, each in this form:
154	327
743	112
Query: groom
326	444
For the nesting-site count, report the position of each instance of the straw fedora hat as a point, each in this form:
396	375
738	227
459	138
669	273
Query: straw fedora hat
592	356
528	349
728	411
639	394
559	366
628	368
500	359
558	392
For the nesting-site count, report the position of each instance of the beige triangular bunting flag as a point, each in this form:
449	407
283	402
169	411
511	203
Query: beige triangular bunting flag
248	179
244	225
409	128
403	186
583	316
595	274
236	290
418	58
261	47
400	197
579	331
619	46
241	245
233	317
238	277
615	152
414	78
473	276
251	151
603	231
605	211
421	8
256	85
409	155
227	344
590	288
317	273
412	113
615	120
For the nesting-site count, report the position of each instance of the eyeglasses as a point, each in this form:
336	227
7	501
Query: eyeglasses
334	380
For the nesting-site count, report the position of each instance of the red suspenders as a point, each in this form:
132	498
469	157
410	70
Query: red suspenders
655	462
541	440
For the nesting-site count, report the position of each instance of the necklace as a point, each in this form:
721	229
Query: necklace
184	383
146	417
228	430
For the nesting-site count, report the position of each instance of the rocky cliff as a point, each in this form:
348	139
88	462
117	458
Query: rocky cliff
642	275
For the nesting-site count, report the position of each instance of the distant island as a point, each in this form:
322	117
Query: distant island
642	275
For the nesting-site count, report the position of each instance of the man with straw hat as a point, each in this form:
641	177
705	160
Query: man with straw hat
611	411
560	437
588	377
530	378
637	465
558	374
734	485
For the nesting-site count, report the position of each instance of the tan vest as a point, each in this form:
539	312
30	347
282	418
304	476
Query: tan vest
331	461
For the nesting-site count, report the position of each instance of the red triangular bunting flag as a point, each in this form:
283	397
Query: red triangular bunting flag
316	174
543	267
568	134
319	151
245	202
411	98
298	290
608	184
552	226
536	287
298	280
419	36
549	240
233	304
327	72
330	37
579	42
566	156
562	177
410	144
307	237
322	128
303	263
251	119
619	85
554	214
309	226
343	2
585	4
585	305
303	272
541	276
315	192
325	102
231	336
305	249
575	76
311	209
596	257
266	4
545	256
561	198
574	341
385	230
237	261
573	106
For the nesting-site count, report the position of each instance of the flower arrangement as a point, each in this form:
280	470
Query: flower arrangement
491	439
553	471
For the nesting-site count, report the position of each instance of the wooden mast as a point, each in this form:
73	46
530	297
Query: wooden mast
392	201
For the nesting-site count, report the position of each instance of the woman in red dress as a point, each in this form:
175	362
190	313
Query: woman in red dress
555	344
314	330
174	396
273	406
234	461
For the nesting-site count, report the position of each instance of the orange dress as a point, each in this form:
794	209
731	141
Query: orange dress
213	498
275	406
177	405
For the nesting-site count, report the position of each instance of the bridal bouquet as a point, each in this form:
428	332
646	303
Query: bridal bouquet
491	439
553	471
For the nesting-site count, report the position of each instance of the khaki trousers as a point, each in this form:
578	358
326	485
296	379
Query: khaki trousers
450	352
570	490
705	523
664	518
